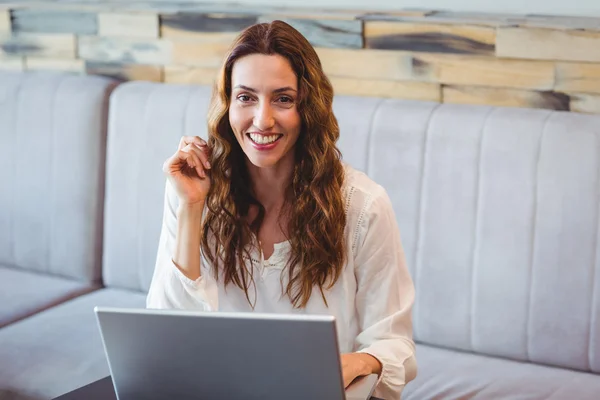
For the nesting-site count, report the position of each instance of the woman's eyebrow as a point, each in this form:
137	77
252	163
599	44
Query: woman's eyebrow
283	89
245	88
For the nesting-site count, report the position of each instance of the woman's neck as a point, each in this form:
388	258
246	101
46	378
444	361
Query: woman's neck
269	184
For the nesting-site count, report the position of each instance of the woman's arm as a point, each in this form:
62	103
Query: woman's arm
177	281
187	241
384	298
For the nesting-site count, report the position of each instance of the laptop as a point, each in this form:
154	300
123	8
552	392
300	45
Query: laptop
176	354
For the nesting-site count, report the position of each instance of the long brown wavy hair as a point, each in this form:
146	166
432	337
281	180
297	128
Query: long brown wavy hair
314	200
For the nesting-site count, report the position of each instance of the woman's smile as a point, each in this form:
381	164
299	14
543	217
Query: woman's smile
262	141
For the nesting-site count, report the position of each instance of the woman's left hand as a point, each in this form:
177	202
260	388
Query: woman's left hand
358	364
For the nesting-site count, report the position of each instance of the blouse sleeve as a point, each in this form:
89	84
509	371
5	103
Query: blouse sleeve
384	298
170	288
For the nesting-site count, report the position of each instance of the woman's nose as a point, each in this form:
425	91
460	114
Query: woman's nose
263	118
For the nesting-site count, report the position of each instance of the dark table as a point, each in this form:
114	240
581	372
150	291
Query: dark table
100	390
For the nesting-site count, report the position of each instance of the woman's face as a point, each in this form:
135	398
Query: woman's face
263	111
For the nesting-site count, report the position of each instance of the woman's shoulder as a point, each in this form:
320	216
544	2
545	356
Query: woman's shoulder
359	189
365	201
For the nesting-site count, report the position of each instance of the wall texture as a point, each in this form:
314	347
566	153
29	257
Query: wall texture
510	60
554	7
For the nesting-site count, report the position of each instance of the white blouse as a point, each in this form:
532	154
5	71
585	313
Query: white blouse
371	301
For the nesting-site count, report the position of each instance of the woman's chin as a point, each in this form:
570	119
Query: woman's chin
263	162
268	159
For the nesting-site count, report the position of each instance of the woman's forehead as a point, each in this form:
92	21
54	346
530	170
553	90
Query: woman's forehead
263	72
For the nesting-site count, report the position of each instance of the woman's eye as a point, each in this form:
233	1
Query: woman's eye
286	99
244	98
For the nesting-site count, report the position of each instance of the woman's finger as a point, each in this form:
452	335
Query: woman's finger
202	152
174	163
179	160
189	152
187	140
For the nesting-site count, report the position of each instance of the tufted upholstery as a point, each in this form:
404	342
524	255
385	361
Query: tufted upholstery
52	150
497	207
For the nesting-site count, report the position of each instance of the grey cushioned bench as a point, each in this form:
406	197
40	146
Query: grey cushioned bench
498	209
52	155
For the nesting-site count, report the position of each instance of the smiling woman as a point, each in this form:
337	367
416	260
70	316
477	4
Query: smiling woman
266	217
263	113
272	87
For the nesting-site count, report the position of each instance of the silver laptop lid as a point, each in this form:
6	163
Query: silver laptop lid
158	354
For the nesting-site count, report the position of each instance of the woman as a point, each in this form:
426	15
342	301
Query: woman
265	217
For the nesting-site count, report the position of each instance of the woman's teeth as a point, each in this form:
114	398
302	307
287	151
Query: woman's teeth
262	139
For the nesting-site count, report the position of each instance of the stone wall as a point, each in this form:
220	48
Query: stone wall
510	60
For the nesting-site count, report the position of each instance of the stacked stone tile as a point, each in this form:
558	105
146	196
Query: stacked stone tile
529	61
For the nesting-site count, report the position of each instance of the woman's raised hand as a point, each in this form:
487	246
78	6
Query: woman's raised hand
188	170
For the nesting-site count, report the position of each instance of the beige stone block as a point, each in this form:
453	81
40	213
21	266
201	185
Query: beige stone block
128	25
4	20
126	51
126	72
548	44
484	71
505	97
208	50
38	45
578	77
382	88
11	63
366	64
585	103
430	38
190	75
54	64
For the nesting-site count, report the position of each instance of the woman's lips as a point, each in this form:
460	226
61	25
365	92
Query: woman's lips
263	146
